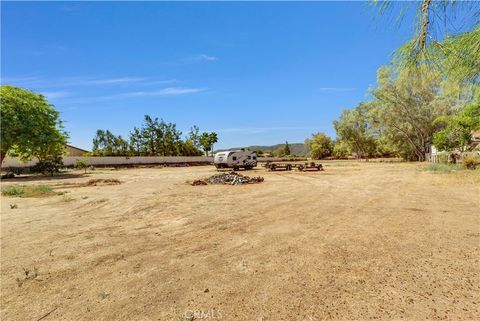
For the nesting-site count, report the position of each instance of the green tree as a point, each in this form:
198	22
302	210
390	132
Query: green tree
105	143
31	127
341	149
354	129
137	142
188	148
191	146
286	149
456	133
405	107
433	44
207	140
320	146
81	164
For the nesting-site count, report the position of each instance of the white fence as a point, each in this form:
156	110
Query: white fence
134	160
446	157
116	160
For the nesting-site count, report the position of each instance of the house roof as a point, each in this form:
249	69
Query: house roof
74	147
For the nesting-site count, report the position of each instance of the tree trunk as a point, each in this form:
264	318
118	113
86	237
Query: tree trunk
2	156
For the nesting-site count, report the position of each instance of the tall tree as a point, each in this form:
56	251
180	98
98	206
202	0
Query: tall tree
207	140
354	129
137	142
150	135
433	43
405	107
286	149
320	146
31	127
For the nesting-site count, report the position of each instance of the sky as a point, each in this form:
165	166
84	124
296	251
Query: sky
257	73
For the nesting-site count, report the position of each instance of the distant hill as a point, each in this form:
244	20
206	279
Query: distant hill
295	148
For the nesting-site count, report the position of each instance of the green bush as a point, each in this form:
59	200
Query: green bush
48	166
81	164
14	190
27	190
14	170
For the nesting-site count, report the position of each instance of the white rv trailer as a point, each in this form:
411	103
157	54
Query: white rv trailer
235	159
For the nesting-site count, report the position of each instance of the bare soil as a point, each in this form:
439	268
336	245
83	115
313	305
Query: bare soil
358	241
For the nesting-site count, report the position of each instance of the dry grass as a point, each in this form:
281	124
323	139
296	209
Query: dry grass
356	242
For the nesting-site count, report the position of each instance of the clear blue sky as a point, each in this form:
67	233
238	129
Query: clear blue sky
256	73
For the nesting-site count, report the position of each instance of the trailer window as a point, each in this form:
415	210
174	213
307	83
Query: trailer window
249	157
234	157
254	157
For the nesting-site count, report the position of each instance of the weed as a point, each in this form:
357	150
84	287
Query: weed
13	191
442	168
28	191
27	275
103	295
13	206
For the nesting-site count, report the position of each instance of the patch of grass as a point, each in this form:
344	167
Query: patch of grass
13	206
28	191
442	168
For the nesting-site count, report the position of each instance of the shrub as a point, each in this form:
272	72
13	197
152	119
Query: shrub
13	191
50	166
14	170
81	164
471	162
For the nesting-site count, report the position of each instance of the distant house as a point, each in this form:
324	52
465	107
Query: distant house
75	151
435	155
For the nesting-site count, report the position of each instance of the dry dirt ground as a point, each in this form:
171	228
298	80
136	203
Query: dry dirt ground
359	241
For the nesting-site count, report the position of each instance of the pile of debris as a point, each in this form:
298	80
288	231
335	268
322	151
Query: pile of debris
231	178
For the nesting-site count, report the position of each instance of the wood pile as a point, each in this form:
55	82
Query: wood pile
231	178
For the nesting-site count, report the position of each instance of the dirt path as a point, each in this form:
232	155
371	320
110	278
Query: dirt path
356	242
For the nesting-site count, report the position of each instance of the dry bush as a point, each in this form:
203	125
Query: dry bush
103	181
471	162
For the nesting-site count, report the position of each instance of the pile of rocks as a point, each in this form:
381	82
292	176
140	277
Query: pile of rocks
231	178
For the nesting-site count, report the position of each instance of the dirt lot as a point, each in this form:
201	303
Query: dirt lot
359	241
